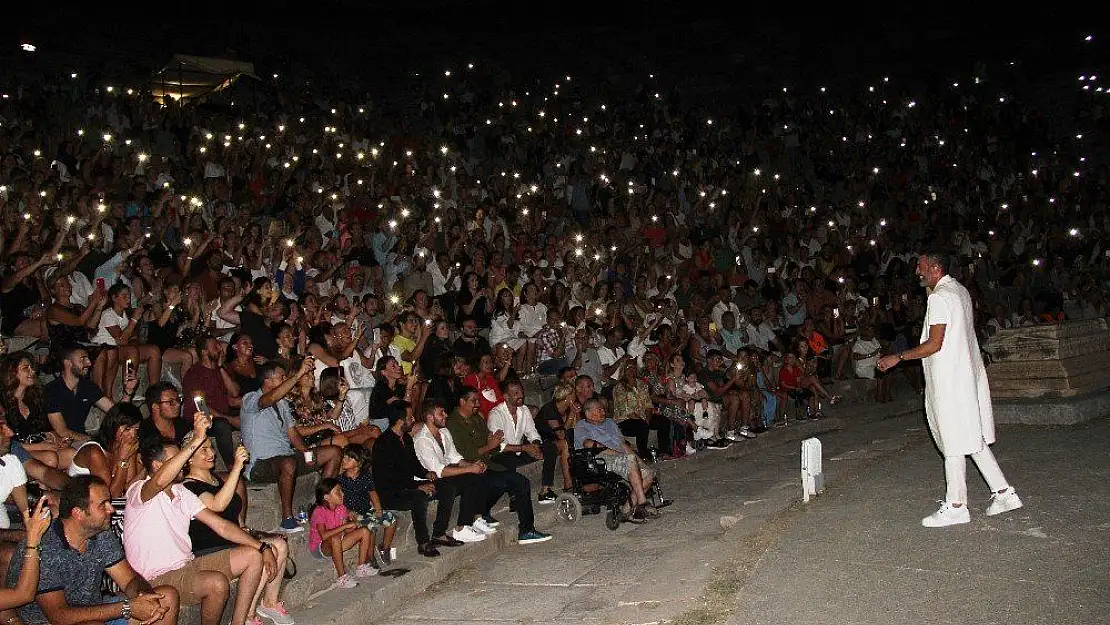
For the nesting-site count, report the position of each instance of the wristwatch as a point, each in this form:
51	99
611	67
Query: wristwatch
125	610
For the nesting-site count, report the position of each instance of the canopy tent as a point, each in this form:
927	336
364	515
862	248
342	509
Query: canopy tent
187	76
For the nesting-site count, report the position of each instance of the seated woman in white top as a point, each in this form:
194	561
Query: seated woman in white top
533	316
503	325
113	455
118	330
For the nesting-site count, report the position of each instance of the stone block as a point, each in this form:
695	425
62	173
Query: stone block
1052	411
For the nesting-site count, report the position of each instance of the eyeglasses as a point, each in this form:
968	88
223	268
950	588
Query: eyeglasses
171	401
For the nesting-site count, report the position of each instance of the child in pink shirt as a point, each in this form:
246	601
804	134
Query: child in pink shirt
332	530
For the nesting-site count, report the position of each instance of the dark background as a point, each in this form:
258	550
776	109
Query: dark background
378	43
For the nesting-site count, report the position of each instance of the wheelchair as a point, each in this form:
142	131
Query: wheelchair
594	488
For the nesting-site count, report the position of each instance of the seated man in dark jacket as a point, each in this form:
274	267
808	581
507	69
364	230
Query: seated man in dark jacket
403	484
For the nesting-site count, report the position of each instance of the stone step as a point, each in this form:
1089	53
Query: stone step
1092	380
1066	367
377	597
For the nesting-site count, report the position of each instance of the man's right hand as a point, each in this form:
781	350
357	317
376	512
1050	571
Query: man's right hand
146	607
429	489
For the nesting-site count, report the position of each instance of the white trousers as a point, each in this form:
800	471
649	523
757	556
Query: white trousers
955	474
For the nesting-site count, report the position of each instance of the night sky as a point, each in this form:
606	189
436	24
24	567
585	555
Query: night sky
757	43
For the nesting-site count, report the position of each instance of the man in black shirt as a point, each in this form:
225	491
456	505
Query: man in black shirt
164	401
469	345
70	396
395	467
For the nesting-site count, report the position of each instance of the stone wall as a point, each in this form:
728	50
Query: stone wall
1057	374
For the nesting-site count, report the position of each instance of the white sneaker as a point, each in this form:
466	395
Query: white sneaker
733	436
746	433
484	527
1003	502
947	515
366	570
345	582
690	450
468	535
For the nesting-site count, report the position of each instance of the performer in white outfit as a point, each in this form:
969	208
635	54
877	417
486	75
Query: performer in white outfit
957	396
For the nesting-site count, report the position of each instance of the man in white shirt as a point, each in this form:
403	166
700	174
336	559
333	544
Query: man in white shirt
521	443
436	451
724	304
612	357
760	334
957	394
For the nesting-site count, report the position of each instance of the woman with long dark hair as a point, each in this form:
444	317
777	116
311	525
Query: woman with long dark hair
391	395
113	455
24	407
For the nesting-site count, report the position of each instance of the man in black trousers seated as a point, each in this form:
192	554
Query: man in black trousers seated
476	444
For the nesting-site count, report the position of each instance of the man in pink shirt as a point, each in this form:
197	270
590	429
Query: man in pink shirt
156	537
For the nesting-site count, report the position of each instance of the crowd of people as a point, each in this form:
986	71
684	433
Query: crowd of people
368	291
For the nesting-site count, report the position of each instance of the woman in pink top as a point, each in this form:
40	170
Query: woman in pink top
332	530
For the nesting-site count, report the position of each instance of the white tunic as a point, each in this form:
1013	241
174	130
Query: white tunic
957	396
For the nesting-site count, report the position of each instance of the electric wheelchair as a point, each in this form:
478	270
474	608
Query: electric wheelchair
594	487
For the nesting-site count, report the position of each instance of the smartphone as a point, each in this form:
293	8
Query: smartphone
101	284
905	298
874	301
309	456
129	368
771	270
202	406
836	313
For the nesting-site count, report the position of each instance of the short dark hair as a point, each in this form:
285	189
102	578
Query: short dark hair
70	349
154	392
267	371
76	492
428	408
358	453
153	450
514	382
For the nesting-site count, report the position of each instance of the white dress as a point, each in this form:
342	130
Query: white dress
500	332
532	319
109	319
957	395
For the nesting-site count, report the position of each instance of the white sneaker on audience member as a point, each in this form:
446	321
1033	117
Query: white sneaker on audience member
484	527
468	535
947	515
1003	502
366	570
346	582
